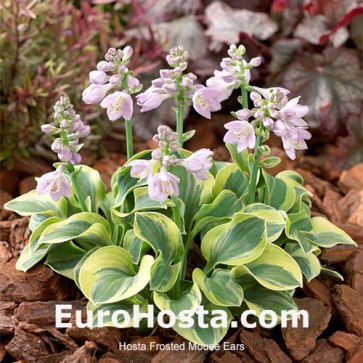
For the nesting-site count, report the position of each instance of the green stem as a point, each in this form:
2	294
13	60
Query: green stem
79	196
176	212
179	121
129	139
244	97
254	171
184	258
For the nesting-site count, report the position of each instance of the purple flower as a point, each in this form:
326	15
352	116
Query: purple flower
65	154
48	128
141	169
199	163
95	93
240	132
224	82
118	104
151	98
205	101
54	183
292	113
163	184
98	77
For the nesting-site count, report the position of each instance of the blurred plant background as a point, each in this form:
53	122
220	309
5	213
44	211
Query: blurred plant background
47	48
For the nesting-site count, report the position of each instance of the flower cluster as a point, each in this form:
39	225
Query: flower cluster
110	74
71	129
161	182
236	72
173	83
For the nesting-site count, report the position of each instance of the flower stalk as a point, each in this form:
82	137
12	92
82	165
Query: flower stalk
129	139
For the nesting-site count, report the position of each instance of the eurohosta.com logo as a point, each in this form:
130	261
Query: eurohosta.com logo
185	319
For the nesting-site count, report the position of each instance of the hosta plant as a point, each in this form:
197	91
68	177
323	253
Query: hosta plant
179	230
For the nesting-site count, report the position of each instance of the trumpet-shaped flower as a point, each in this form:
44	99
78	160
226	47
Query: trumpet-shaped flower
163	184
199	163
118	104
206	100
141	169
240	132
95	93
54	183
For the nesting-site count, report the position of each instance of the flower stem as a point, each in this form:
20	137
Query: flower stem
129	139
254	171
179	121
176	212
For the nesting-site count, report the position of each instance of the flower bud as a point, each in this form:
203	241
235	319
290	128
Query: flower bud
115	79
56	145
128	51
132	82
156	154
48	129
255	62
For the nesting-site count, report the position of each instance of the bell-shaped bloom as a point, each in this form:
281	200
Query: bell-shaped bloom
95	93
199	163
98	77
141	169
163	184
54	183
224	82
118	104
151	99
240	132
293	113
206	100
48	128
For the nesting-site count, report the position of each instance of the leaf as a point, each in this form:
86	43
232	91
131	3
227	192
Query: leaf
32	203
274	269
163	275
221	288
312	28
230	178
134	245
209	336
27	260
326	234
90	185
275	222
108	275
283	52
225	24
240	241
89	229
190	298
330	83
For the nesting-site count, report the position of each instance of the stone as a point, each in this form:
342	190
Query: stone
85	354
27	184
352	178
349	304
315	289
336	255
55	358
353	270
182	356
6	324
38	284
27	347
19	235
5	252
346	341
225	357
324	352
263	349
301	341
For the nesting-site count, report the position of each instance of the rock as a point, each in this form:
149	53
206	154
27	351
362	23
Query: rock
350	307
301	341
27	347
336	255
315	289
351	208
353	269
19	235
180	356
346	341
352	178
85	354
324	352
27	184
9	181
225	357
106	337
38	284
5	252
6	324
355	232
263	349
55	358
356	356
330	202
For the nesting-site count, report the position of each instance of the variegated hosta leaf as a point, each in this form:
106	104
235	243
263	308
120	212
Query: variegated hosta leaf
90	186
259	298
221	288
326	234
64	257
80	263
275	222
27	260
240	241
32	203
142	203
240	158
298	228
88	229
278	193
209	336
230	178
124	305
122	183
332	273
309	264
193	192
161	233
35	220
134	245
274	269
190	298
108	275
224	206
106	206
163	275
